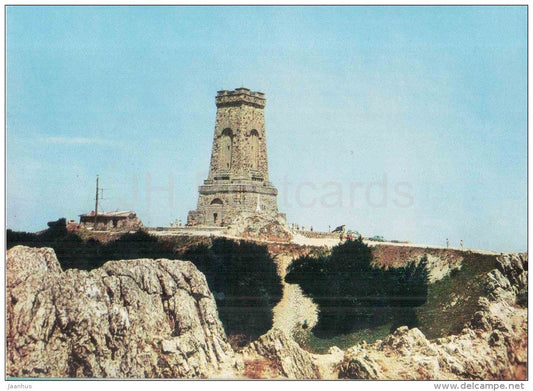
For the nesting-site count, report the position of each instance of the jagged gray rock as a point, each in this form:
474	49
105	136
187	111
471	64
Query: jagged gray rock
292	361
137	319
514	267
359	367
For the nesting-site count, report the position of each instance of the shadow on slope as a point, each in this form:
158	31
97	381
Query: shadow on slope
354	295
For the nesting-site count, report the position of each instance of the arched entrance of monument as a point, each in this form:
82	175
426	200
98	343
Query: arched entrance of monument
215	214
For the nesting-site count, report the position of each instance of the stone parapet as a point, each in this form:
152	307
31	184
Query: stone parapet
240	96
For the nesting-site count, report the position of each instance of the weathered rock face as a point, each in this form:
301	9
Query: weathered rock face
136	318
284	354
493	345
262	226
514	268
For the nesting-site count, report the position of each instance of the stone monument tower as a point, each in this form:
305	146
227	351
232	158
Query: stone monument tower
238	173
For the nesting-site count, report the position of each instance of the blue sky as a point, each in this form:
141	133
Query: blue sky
406	122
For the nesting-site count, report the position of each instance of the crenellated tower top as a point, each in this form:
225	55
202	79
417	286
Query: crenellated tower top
240	96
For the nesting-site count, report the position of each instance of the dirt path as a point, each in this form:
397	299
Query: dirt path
294	308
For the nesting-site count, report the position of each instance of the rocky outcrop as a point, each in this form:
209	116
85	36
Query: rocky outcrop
283	354
261	226
492	346
136	319
514	268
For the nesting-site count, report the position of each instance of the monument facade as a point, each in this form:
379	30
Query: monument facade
238	172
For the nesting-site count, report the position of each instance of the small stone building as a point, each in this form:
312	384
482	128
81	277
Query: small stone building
238	173
119	221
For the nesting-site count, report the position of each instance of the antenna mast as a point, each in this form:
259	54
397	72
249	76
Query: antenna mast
96	206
